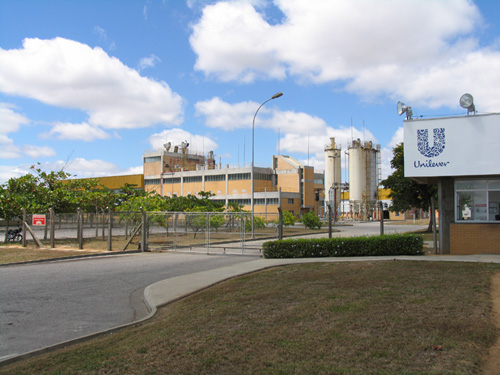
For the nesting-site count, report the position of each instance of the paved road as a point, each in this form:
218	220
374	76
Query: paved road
48	303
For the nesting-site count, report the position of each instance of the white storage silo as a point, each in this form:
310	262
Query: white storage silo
363	177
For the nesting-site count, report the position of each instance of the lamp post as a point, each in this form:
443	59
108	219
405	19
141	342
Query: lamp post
275	96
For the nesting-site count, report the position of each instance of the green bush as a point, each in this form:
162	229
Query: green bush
311	221
259	223
394	244
288	218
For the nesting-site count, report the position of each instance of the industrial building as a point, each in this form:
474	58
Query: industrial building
287	183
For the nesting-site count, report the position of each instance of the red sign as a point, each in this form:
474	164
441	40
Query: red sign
38	220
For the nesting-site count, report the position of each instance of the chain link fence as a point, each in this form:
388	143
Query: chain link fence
206	232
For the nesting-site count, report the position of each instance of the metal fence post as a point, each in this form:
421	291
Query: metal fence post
280	223
381	218
207	226
79	231
144	230
329	220
103	223
110	229
52	232
24	227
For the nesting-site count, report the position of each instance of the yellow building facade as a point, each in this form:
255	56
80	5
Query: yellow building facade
288	183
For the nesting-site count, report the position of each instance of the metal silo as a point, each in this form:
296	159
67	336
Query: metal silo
363	177
332	175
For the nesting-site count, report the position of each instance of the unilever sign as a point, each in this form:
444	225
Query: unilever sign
453	146
433	152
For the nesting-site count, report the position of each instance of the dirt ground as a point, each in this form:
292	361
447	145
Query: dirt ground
492	365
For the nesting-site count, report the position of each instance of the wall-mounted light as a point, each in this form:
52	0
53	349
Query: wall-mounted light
402	108
467	102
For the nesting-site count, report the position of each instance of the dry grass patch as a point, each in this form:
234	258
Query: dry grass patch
390	317
11	254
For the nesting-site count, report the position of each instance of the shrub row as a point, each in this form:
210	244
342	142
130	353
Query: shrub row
394	244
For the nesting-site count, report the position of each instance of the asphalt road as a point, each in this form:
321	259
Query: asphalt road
49	303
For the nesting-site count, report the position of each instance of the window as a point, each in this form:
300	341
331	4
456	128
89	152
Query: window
172	180
477	200
239	176
243	202
275	201
192	179
216	177
291	200
153	181
259	201
152	159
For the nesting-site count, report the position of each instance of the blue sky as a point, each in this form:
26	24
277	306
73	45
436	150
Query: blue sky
89	85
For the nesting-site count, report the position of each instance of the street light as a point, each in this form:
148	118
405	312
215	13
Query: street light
275	96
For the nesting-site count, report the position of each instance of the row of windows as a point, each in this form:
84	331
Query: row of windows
153	181
243	202
152	159
172	180
239	176
477	200
257	202
192	179
218	177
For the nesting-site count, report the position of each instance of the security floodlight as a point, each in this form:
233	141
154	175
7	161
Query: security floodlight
467	102
402	108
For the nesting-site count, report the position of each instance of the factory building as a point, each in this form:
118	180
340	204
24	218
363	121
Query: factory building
287	183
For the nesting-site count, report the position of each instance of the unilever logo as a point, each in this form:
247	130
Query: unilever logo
423	142
428	151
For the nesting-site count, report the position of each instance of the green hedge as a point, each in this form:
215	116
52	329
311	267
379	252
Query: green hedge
394	244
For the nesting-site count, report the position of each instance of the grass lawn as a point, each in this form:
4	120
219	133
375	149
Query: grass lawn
10	254
392	317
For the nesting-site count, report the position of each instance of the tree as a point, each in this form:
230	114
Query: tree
311	220
406	193
288	218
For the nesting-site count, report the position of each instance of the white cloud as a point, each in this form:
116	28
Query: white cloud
65	73
7	148
83	168
397	138
10	120
198	144
83	131
148	62
38	151
9	171
315	143
423	51
222	115
226	116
